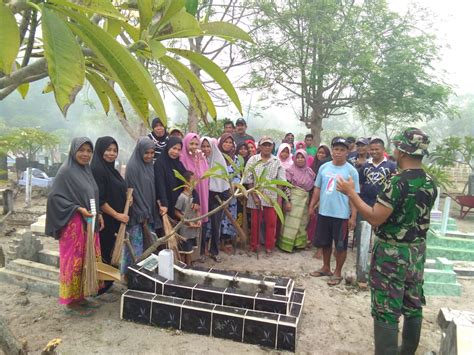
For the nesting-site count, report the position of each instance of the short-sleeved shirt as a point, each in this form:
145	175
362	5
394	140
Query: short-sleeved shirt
373	179
411	195
274	171
312	150
333	203
182	204
238	139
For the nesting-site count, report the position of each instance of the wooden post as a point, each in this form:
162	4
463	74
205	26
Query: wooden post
363	245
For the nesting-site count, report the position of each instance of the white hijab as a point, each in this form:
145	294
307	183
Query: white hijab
216	157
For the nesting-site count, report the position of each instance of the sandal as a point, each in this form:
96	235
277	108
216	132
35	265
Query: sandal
216	258
334	280
320	273
90	304
77	312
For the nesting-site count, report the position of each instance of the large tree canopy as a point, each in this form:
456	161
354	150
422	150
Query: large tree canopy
105	43
333	55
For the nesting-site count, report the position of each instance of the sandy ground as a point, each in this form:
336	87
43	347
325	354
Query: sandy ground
336	320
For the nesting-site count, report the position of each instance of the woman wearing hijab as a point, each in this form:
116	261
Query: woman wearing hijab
300	175
228	232
165	180
217	188
302	145
284	155
252	147
68	207
144	211
193	160
159	136
112	195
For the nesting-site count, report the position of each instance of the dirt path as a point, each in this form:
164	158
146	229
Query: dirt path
335	320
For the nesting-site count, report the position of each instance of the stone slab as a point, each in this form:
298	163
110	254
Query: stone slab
32	283
458	330
33	268
49	257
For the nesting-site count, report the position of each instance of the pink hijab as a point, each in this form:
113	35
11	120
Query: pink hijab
198	165
301	177
288	162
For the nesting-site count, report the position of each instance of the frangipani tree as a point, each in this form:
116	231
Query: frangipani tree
106	42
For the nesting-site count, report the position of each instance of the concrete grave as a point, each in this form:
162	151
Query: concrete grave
227	304
457	329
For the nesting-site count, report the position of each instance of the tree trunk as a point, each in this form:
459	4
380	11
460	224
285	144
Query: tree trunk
316	127
193	119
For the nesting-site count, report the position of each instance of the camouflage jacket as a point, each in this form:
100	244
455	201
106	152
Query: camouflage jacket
411	195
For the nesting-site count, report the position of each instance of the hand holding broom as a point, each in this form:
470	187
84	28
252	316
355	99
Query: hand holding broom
117	252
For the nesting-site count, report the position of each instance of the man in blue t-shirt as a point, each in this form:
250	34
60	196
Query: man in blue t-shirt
336	214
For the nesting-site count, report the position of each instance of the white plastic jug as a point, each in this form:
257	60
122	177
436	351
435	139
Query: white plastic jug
165	264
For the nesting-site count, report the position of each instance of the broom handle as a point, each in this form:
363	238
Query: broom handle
239	230
121	231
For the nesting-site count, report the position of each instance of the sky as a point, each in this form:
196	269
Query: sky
454	29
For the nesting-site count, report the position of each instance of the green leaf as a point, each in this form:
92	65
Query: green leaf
66	65
181	25
278	211
23	89
47	88
132	31
191	6
95	81
214	72
173	7
226	31
191	85
112	95
145	9
100	7
9	39
179	176
280	183
158	50
132	77
113	27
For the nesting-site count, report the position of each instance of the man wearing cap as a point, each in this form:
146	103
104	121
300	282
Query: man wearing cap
261	208
373	175
401	215
336	215
240	135
360	155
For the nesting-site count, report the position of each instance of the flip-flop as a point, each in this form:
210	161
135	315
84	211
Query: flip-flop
335	280
81	313
90	304
320	273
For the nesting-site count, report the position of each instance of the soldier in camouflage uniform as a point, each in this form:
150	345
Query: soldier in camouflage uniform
401	216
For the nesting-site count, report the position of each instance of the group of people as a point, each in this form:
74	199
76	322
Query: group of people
328	190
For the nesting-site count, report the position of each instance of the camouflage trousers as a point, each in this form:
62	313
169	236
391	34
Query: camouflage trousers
396	280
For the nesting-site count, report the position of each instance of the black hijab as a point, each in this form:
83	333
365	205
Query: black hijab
165	180
73	187
160	142
112	187
140	176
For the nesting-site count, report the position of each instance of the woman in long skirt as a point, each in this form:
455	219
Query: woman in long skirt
293	233
112	195
68	209
144	217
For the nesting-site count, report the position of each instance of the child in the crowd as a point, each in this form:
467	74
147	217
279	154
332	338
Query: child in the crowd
284	155
301	176
189	230
243	151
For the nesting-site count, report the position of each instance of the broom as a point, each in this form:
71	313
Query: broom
118	247
90	283
173	241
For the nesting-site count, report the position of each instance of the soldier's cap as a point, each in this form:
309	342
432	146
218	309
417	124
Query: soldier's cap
362	140
266	139
340	141
412	141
